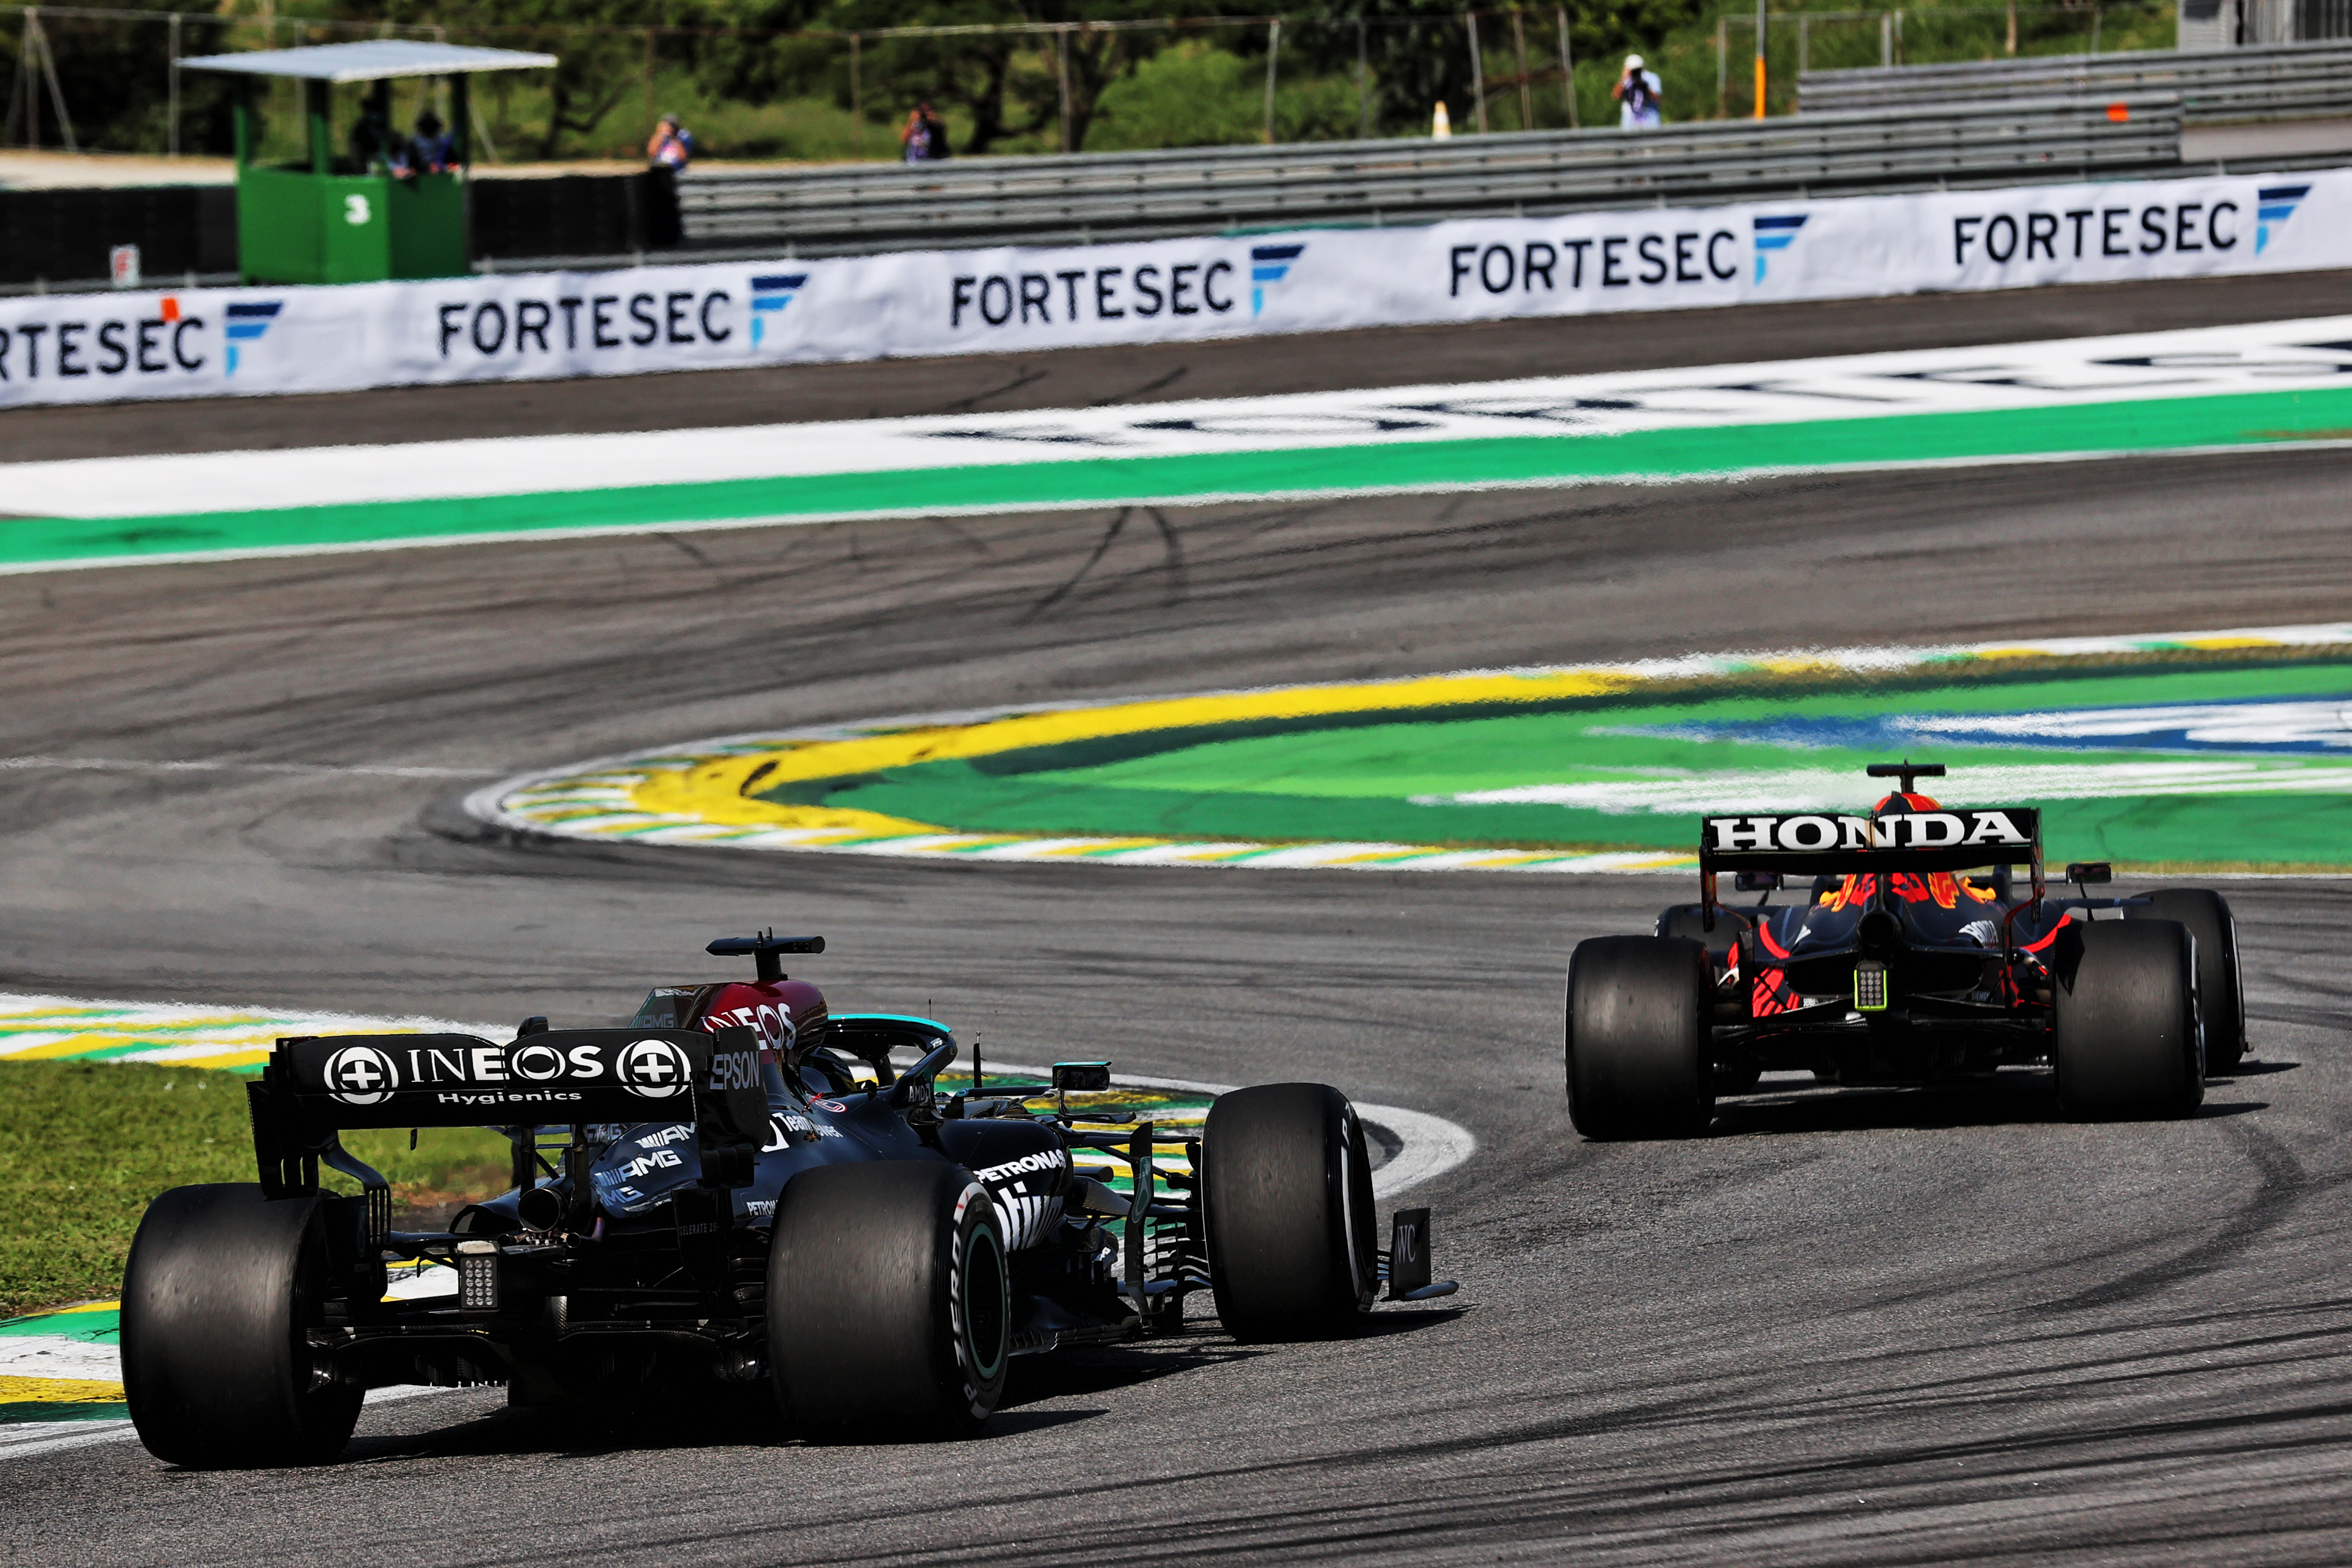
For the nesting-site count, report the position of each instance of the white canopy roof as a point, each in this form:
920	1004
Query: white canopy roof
371	60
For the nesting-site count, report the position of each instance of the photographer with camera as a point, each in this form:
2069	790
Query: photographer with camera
1636	92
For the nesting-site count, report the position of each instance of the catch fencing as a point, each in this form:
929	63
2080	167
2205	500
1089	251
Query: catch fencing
2285	81
1143	195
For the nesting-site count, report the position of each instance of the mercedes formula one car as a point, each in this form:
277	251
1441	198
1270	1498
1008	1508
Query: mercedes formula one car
715	1196
1899	966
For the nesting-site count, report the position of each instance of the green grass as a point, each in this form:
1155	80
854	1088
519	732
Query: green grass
84	1147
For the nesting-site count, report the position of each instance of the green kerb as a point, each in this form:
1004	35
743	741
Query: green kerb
2237	419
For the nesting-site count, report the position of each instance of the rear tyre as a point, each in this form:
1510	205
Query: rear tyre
2124	1026
1287	1199
218	1295
2221	986
889	1306
1638	1060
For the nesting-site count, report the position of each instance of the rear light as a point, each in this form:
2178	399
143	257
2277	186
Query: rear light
477	1276
1869	986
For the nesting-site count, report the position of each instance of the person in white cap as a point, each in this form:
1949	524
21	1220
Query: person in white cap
1636	93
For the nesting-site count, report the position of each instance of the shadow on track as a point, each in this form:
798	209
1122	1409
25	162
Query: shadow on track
2009	1099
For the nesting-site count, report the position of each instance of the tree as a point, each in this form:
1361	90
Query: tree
1420	52
599	43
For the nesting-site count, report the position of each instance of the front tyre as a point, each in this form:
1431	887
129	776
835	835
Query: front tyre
1287	1200
2124	1026
889	1305
1638	1058
2221	986
221	1290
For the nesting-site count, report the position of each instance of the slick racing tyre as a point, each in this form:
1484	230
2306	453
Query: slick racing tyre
1638	1063
220	1289
889	1305
1287	1199
2124	1027
2221	988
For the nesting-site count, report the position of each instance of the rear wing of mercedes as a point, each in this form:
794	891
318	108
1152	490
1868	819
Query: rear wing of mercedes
1818	844
314	1089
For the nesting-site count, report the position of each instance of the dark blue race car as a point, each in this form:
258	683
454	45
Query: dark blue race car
715	1197
1916	956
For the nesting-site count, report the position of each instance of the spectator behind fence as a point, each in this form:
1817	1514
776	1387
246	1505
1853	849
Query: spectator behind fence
432	147
672	146
923	139
1636	93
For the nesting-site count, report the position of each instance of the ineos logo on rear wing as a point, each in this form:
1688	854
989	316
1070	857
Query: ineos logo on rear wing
1819	842
561	1075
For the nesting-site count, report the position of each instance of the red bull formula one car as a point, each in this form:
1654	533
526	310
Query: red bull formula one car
715	1197
1917	956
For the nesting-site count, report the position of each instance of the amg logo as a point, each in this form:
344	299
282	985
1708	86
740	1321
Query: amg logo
1915	830
658	1160
1046	1160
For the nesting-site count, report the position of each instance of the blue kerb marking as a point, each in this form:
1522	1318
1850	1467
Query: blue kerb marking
2250	726
1775	234
770	294
1269	264
248	319
2277	204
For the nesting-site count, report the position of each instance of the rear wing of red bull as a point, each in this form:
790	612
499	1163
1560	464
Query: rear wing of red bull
314	1089
1819	843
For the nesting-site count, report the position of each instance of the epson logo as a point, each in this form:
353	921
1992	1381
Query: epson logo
1047	1160
735	1069
1915	830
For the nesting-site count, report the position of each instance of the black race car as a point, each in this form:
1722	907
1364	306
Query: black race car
1896	967
715	1196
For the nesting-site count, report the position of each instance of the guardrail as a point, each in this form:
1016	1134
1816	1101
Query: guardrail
1143	195
2281	81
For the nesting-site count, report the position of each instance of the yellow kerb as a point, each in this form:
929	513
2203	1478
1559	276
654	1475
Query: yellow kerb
712	790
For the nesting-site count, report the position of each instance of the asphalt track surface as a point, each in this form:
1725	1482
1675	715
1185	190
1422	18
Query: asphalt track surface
1848	1326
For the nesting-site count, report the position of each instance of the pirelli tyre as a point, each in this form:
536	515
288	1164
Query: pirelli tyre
890	1307
1731	1078
1638	1060
221	1290
2221	986
1287	1200
2123	1029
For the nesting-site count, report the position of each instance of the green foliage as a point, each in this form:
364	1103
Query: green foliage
85	1146
1196	94
1420	52
750	87
115	74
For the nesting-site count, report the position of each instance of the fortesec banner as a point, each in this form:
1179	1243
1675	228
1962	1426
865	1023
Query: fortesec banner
216	342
